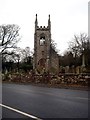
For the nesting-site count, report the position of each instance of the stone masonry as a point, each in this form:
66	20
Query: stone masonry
45	57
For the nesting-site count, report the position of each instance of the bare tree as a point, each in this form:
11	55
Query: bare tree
9	36
54	46
26	54
79	44
20	54
80	47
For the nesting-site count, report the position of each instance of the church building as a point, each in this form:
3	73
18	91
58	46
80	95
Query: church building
45	57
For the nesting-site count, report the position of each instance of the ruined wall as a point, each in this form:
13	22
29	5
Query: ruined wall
54	61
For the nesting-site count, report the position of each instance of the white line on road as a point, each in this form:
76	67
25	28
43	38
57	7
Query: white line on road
18	111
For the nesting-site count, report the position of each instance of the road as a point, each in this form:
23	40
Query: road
23	101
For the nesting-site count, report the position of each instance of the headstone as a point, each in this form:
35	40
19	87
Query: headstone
6	71
67	69
78	69
83	60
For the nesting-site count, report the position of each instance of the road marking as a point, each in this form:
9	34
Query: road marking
18	111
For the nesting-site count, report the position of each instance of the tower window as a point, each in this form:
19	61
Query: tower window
42	40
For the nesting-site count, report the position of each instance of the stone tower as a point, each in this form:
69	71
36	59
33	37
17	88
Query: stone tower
42	47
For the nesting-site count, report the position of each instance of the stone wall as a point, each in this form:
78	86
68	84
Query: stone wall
54	61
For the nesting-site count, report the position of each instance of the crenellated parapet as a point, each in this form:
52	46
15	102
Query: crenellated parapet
42	28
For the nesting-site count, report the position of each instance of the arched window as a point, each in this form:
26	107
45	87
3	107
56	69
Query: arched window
42	39
42	62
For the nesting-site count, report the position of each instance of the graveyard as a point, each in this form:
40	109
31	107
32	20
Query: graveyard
50	80
45	66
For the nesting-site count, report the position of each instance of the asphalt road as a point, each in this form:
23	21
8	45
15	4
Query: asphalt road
43	102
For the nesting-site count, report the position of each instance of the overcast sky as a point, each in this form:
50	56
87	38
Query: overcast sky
68	17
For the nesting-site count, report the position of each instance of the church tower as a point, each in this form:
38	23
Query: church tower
42	42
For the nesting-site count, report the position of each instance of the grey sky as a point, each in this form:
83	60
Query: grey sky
68	17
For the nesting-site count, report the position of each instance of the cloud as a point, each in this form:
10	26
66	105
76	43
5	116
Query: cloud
67	18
